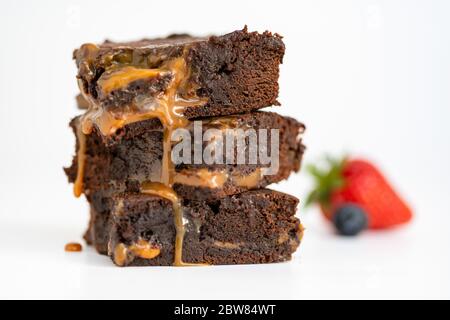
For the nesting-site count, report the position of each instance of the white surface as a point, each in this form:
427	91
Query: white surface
369	77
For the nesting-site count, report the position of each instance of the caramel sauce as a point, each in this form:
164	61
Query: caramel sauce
107	123
123	254
226	245
144	249
216	179
300	232
201	178
224	122
166	192
121	78
168	108
283	238
120	254
81	155
167	111
249	181
86	55
88	51
73	247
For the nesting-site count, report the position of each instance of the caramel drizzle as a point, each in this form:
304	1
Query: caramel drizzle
122	77
142	249
81	161
201	178
167	192
249	181
217	179
168	109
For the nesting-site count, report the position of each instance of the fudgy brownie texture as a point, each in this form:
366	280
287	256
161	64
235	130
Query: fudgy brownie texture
144	210
99	227
229	74
257	226
134	154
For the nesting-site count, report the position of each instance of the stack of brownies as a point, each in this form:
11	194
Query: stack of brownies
142	101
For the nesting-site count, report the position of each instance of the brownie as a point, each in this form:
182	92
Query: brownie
256	226
97	234
147	208
221	75
133	156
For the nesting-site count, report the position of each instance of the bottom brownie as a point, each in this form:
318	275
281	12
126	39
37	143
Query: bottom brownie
257	226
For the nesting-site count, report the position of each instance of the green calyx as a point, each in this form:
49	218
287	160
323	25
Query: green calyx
328	178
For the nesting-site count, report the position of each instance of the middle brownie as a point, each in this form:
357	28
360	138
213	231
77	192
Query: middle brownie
133	155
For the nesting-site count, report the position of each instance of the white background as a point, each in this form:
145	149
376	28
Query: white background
368	77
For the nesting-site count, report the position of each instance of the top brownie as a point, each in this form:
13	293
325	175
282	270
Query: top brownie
214	76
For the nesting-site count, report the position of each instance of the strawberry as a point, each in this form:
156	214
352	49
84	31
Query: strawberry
357	181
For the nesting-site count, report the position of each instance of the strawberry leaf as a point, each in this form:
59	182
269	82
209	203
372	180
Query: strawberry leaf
327	180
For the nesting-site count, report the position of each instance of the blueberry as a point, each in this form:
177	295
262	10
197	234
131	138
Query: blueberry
350	220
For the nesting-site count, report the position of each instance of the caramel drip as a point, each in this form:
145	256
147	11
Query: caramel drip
73	247
201	178
108	124
168	108
81	160
166	192
171	118
168	112
123	77
249	181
